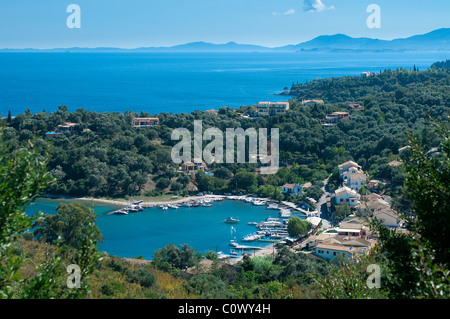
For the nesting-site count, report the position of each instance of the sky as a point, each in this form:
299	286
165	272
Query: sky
143	23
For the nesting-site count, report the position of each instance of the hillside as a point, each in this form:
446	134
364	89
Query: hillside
437	40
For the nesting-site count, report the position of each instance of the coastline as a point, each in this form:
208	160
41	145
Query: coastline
150	204
147	204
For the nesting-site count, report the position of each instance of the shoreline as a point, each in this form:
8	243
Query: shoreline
268	250
150	204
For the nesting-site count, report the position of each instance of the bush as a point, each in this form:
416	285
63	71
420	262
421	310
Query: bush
141	277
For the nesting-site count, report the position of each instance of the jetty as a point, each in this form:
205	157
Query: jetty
237	246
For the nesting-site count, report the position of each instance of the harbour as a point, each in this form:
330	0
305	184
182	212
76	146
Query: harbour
201	227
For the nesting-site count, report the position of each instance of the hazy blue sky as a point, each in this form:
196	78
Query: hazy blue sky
137	23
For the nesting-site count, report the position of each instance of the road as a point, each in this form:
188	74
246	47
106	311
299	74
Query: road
322	207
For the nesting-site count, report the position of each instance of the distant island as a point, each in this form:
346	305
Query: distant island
437	40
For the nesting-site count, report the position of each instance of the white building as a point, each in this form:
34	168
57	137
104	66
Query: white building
331	251
388	218
292	189
347	165
346	195
354	180
272	108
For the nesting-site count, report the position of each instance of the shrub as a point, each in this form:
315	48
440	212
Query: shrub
141	277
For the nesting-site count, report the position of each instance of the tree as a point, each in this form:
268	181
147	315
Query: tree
204	182
418	262
414	264
244	180
68	226
298	227
209	286
23	176
163	183
173	259
342	211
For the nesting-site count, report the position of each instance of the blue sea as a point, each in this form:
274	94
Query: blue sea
140	234
174	82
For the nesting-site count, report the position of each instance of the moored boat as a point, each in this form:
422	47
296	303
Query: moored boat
231	220
120	212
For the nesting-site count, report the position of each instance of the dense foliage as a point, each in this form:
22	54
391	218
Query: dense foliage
23	176
106	156
415	262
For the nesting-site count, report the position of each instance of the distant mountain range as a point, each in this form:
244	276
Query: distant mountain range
438	40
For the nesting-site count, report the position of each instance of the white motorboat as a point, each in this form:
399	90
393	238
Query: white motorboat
173	206
259	202
120	212
251	237
231	220
273	206
270	222
134	208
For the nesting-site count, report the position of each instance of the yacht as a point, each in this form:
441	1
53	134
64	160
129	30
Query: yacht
270	222
134	208
259	202
231	220
251	237
273	206
120	212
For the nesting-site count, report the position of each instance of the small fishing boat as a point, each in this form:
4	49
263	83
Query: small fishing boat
231	220
164	207
173	206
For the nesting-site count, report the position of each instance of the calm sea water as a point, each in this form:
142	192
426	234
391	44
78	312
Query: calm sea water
173	82
142	233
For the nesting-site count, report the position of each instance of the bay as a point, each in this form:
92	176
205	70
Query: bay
174	82
140	234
